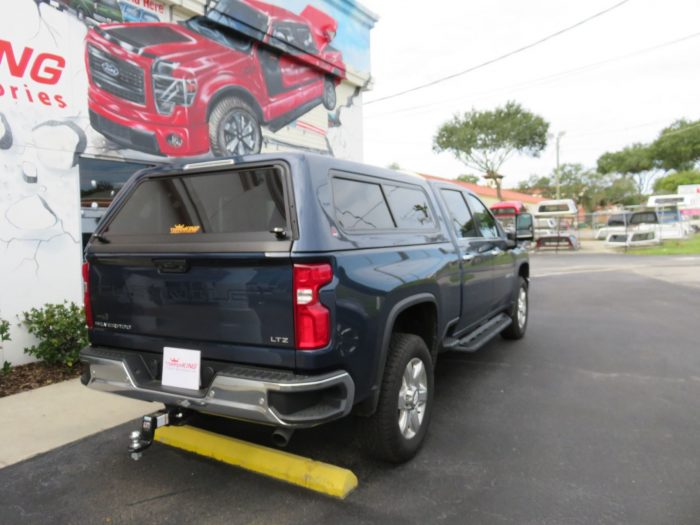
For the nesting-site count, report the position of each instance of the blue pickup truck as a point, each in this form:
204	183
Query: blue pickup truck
291	290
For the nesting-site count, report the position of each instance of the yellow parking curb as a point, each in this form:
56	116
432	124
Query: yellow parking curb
314	475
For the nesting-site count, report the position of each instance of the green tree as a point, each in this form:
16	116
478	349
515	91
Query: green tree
394	166
678	146
484	140
636	161
620	190
587	187
536	184
471	179
670	183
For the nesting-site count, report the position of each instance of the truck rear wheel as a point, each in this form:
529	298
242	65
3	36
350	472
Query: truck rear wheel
518	313
234	129
329	96
396	431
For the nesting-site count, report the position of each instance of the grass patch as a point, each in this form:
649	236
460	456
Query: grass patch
681	247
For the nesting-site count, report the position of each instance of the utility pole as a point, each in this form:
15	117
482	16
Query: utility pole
556	173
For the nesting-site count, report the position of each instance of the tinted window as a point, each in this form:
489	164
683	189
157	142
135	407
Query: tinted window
360	205
504	211
617	220
669	200
461	218
644	218
410	207
486	222
293	38
548	208
236	202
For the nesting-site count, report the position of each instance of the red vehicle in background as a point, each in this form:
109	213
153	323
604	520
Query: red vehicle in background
506	212
211	82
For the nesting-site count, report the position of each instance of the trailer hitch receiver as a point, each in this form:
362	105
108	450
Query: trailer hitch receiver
142	439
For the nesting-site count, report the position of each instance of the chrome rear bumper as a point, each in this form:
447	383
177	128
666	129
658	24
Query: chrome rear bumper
271	397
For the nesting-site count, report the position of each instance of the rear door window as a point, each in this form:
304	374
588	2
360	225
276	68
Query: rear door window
410	207
361	205
243	204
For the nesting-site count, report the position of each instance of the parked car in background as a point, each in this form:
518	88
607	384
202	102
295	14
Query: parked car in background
212	82
292	319
507	211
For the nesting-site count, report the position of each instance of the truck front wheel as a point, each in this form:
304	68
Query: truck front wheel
234	129
518	313
396	431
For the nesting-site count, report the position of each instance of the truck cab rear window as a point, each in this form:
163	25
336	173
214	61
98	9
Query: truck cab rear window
232	202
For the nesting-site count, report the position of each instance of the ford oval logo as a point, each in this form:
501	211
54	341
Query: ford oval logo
110	68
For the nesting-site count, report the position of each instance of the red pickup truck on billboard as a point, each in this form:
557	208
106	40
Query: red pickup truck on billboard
210	83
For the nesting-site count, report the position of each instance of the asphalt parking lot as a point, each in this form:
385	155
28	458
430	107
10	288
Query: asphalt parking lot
592	418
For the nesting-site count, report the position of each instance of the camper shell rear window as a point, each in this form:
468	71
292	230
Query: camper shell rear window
241	205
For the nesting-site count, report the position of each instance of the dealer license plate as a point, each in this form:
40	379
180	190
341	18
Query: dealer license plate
181	368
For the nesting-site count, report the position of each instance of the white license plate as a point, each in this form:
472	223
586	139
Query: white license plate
181	368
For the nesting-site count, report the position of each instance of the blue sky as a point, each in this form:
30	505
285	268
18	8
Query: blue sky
352	38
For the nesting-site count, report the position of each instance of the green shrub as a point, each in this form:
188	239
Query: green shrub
4	331
61	331
5	336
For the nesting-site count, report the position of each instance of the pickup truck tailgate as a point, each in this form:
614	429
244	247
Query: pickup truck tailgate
230	300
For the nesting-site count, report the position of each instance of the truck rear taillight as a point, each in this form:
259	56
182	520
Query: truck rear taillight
312	320
86	295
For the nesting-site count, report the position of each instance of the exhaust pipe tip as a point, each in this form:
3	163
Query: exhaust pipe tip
281	437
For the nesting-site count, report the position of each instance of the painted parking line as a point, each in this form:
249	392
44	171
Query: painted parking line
308	473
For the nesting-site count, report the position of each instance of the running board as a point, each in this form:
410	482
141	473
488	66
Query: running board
479	337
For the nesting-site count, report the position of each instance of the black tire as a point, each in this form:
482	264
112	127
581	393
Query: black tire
382	432
234	129
330	98
517	329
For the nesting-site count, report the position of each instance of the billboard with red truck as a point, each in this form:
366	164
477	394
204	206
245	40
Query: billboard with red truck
211	83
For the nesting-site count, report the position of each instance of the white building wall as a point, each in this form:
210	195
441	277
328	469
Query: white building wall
44	127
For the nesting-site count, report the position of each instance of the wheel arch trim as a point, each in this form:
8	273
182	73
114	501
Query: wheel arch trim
394	312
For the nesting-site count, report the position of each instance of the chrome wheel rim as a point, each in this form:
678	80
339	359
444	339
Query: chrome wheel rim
413	398
522	308
240	134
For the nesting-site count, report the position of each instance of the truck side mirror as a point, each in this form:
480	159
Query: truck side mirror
524	227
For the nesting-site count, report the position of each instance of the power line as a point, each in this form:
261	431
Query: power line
498	58
682	130
545	79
